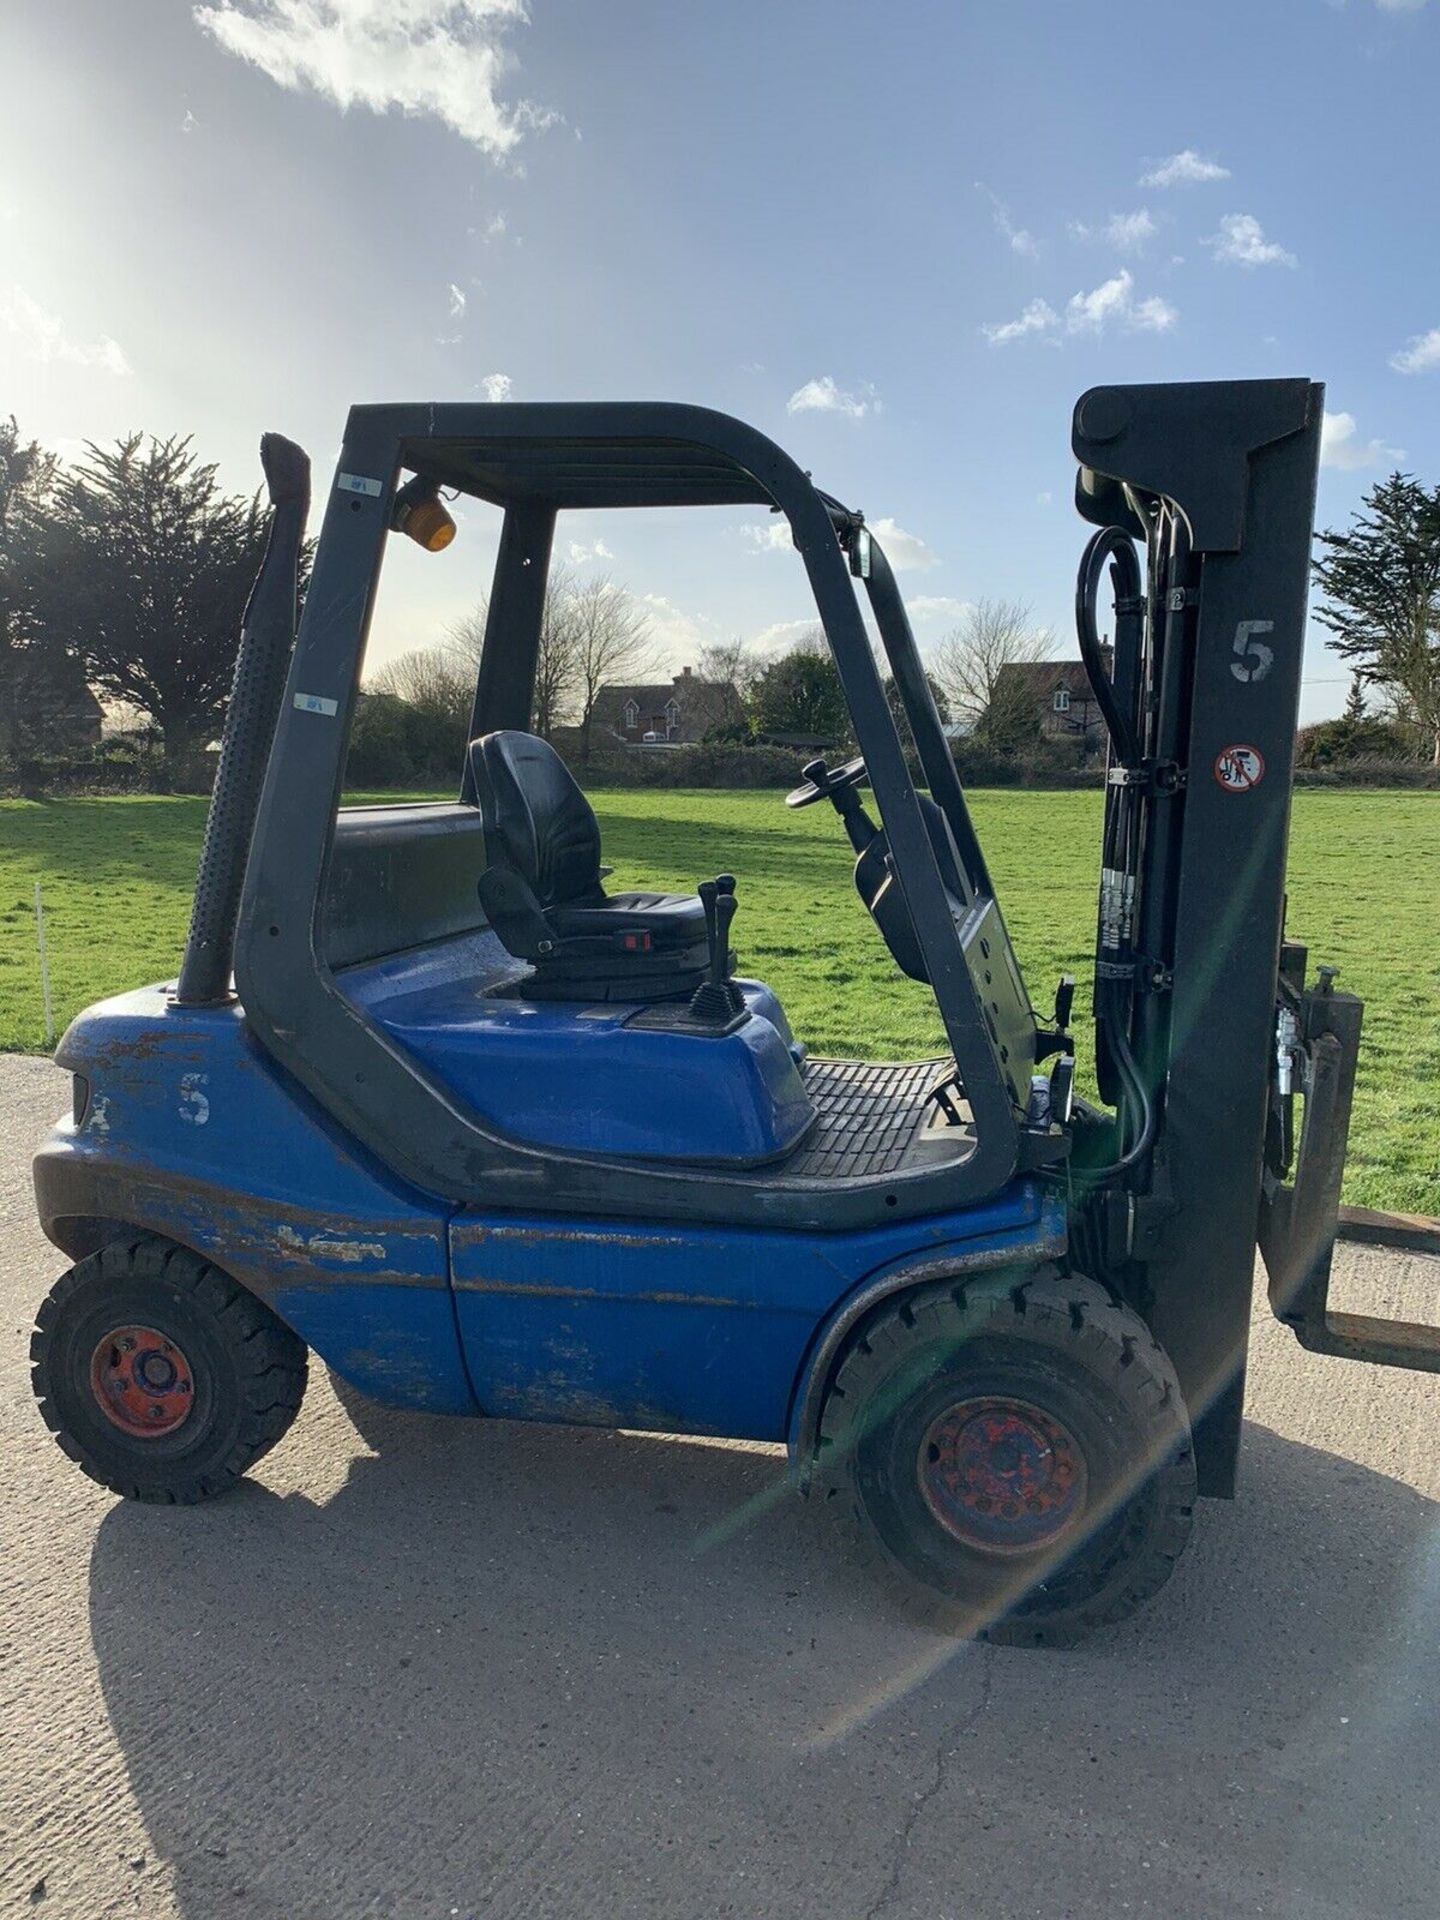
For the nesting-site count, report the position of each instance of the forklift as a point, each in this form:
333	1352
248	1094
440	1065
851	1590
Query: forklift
427	1099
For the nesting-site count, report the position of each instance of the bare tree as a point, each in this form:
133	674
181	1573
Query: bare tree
725	676
435	680
994	634
970	661
557	662
734	663
613	641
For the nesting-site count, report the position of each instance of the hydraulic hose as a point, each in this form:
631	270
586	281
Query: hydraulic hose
1143	1105
1108	543
1136	1116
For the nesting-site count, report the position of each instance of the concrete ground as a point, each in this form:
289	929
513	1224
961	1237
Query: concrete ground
494	1671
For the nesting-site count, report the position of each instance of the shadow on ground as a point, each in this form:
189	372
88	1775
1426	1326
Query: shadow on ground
552	1672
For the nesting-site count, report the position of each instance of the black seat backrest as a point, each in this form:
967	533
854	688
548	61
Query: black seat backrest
537	821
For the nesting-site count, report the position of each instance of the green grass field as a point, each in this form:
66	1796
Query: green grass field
1364	890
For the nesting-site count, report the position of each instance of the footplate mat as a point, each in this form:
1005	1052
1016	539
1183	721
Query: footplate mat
867	1115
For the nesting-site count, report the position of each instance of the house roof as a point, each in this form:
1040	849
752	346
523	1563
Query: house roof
649	699
697	700
1042	677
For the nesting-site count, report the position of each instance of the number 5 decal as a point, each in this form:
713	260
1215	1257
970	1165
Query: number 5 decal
1253	658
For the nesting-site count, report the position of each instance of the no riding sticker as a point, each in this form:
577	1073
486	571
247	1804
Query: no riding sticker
1239	768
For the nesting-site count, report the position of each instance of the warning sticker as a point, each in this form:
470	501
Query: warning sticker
1239	768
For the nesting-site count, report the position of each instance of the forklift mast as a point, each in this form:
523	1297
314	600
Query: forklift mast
1216	482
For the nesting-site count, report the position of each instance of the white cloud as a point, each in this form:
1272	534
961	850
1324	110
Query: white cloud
495	227
1090	312
1038	317
784	633
42	336
580	552
1020	241
1184	169
936	606
1342	448
1241	242
1125	232
441	58
675	632
906	552
457	301
1420	352
772	536
1114	301
1399	6
1152	315
823	396
497	387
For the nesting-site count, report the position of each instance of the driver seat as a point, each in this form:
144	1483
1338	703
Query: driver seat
542	896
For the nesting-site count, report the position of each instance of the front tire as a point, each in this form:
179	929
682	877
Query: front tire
1014	1456
159	1375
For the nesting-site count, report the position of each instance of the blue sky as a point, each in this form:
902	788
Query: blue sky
901	239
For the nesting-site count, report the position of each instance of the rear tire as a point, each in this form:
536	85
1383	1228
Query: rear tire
1014	1457
159	1375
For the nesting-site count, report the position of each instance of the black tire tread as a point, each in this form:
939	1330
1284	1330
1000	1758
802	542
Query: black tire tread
1110	1334
271	1361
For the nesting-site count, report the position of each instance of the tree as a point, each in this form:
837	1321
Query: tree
970	667
1338	743
993	635
42	681
435	689
1355	701
145	568
897	706
556	672
612	642
434	680
800	693
1381	581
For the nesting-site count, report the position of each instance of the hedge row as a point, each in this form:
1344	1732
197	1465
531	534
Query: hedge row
123	767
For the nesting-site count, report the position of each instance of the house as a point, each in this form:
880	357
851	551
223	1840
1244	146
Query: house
1060	692
674	712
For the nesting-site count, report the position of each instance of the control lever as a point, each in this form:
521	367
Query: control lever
1056	1039
717	998
1064	1001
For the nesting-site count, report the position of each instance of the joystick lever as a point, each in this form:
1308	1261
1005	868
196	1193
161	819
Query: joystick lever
717	998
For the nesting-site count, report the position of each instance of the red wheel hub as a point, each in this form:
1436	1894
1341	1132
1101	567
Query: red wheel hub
1002	1474
142	1381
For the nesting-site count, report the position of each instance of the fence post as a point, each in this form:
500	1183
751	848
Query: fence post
44	968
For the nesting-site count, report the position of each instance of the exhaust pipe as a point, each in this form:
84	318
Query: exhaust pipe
267	635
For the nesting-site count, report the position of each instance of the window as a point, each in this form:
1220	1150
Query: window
632	715
672	716
1061	702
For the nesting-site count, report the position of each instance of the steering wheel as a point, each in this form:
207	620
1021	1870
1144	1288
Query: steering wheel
821	783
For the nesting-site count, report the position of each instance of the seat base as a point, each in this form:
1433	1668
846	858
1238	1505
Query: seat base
588	983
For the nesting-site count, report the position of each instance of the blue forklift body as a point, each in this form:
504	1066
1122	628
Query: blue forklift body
184	1127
